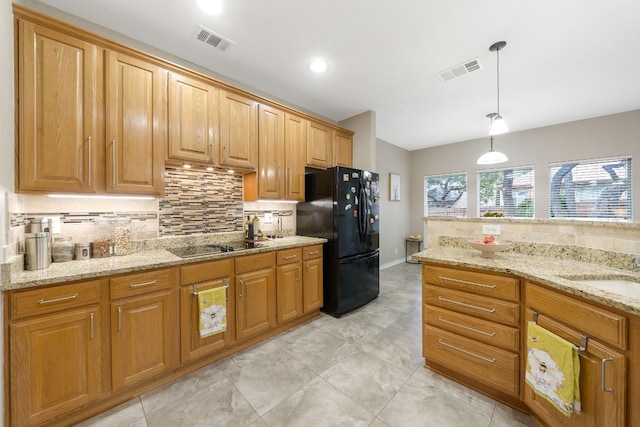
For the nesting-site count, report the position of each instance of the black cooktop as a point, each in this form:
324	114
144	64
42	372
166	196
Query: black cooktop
194	251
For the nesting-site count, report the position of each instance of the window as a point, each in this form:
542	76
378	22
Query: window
506	192
596	189
446	195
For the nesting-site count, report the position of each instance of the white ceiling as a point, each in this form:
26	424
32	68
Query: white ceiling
564	60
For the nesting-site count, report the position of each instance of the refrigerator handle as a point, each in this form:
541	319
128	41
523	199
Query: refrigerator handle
362	213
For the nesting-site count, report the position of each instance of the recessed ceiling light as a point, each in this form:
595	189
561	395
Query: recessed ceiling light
318	66
212	7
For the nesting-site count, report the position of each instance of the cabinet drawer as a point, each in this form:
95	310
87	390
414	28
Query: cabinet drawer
471	327
489	365
311	252
472	281
47	300
206	271
289	256
585	318
137	284
255	262
475	305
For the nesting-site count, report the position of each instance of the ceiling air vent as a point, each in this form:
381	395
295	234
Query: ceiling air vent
207	36
460	70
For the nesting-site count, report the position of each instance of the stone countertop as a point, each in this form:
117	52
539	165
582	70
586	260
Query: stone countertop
60	272
553	272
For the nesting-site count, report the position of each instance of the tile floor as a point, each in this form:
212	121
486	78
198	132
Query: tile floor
364	369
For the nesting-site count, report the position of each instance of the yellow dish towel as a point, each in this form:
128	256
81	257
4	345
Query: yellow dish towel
212	305
553	369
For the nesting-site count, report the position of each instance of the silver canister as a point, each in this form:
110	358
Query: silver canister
83	251
37	251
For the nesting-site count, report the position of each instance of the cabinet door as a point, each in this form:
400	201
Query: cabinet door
270	153
193	119
193	346
136	106
55	364
238	131
295	144
603	375
255	302
58	92
289	292
312	285
319	145
143	338
343	148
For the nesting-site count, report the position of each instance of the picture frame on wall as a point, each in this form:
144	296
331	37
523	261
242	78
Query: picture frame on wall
394	187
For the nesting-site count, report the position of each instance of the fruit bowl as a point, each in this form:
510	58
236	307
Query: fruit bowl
488	250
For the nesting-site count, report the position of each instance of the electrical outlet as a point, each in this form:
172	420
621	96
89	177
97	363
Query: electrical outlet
491	229
395	251
268	217
55	224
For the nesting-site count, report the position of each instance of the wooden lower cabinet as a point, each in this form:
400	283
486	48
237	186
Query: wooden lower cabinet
312	279
255	294
289	289
470	327
603	369
55	364
199	278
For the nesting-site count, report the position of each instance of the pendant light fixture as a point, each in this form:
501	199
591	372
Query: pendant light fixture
492	157
498	125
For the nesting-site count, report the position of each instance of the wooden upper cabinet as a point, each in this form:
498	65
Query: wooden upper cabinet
136	106
270	153
58	91
319	145
238	131
193	119
343	148
295	144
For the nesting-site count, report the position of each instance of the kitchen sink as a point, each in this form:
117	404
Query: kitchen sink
627	286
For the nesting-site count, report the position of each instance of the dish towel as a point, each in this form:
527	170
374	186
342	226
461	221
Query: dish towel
212	305
553	369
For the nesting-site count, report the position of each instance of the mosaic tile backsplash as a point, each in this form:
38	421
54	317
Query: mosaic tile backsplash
198	202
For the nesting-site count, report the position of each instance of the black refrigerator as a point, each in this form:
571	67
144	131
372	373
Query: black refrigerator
342	205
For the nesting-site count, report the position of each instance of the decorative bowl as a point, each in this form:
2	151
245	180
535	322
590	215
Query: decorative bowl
488	250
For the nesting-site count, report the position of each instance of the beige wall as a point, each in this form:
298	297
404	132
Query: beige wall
364	140
395	224
607	136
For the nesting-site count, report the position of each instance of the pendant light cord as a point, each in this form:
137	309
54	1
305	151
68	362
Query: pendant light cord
498	77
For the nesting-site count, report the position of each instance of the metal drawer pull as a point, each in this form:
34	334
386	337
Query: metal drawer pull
489	310
225	285
466	282
314	252
91	322
290	256
119	318
138	285
49	301
466	352
603	372
489	334
114	170
241	287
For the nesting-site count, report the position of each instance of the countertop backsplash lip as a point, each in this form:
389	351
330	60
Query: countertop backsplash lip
147	255
550	270
612	259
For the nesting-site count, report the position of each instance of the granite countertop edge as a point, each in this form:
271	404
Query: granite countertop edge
555	273
94	268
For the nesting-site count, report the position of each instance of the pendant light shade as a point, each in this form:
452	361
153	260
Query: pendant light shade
498	126
492	157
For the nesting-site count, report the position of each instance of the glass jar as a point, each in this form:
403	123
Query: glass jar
62	249
102	245
122	236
